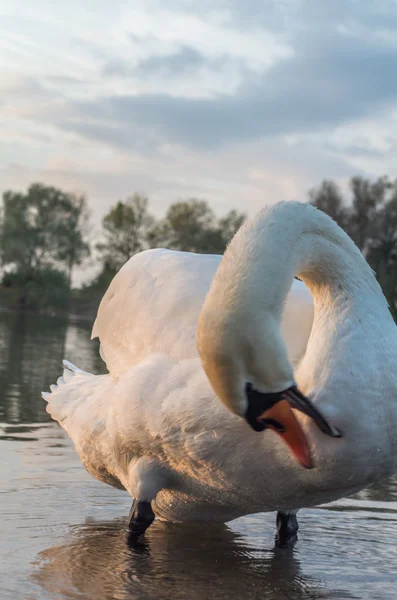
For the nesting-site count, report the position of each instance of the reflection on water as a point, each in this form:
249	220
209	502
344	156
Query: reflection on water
176	562
31	351
63	534
340	555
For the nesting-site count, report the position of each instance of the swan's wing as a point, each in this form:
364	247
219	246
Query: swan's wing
152	305
147	327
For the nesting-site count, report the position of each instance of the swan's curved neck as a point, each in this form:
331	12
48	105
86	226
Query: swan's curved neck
239	331
295	239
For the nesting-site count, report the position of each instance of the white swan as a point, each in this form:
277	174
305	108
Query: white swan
154	425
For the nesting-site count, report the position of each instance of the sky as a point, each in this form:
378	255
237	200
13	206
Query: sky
237	102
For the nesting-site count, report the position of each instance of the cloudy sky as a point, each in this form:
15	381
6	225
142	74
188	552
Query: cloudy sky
246	102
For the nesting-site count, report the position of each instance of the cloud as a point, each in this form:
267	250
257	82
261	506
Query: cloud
329	67
184	60
256	99
332	78
296	16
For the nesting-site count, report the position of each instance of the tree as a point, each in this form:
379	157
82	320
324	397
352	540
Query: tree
230	224
382	251
371	221
368	199
101	282
328	198
191	226
126	230
73	233
41	232
188	225
47	289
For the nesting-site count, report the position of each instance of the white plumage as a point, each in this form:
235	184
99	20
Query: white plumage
154	425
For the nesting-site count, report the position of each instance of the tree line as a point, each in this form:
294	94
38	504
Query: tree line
45	233
370	219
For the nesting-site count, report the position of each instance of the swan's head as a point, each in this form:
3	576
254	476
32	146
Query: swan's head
246	362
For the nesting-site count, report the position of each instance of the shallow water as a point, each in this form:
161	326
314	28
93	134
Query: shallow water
63	533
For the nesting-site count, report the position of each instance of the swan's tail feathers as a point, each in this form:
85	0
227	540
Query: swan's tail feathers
68	373
69	396
80	401
71	368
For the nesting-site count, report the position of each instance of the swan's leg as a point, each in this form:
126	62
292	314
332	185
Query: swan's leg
146	476
287	527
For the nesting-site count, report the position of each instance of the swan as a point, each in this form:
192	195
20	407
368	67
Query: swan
207	357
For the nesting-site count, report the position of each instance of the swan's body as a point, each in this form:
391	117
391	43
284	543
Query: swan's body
154	425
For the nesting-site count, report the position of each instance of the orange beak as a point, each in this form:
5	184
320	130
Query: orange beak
273	410
280	417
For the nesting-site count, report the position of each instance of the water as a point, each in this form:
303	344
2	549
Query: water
62	534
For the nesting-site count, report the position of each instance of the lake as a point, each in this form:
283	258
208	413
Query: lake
63	534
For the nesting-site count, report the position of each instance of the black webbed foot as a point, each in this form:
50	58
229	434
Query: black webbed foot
287	528
140	518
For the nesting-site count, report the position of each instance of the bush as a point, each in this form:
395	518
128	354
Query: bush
46	288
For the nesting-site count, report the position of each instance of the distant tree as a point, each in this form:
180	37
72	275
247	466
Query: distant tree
382	251
230	224
191	226
188	225
101	281
41	231
73	233
371	221
369	198
47	288
328	198
126	230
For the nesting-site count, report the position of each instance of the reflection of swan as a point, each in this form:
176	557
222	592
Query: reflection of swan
155	427
177	562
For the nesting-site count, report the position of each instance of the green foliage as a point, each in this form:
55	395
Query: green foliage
191	226
43	235
102	281
371	221
46	288
230	224
188	225
42	232
328	198
126	230
42	227
72	234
